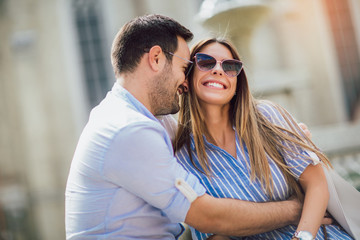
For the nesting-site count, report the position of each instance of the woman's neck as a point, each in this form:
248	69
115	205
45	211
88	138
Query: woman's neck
219	124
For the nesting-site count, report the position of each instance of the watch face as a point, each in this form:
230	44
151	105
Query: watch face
304	235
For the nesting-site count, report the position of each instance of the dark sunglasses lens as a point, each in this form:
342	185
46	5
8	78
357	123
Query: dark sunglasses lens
231	67
205	62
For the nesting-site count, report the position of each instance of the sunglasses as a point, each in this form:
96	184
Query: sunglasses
231	67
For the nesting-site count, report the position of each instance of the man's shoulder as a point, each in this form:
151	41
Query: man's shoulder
119	114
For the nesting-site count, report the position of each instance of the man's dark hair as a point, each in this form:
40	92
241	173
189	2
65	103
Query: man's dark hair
141	34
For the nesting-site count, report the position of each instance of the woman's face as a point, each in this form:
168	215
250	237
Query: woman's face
214	87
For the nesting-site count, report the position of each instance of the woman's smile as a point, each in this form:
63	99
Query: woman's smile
214	84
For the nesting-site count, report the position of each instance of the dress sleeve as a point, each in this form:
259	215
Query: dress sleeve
140	160
298	158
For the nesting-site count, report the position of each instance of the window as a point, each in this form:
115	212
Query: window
91	42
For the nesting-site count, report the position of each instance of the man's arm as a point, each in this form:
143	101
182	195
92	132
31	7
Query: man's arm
241	218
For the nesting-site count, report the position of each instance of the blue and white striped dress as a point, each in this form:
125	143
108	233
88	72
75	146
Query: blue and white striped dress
231	179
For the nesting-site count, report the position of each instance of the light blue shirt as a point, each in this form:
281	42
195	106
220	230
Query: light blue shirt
122	179
232	179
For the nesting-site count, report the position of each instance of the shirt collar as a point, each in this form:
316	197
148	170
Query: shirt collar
207	144
120	92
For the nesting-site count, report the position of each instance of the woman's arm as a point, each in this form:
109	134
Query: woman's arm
314	184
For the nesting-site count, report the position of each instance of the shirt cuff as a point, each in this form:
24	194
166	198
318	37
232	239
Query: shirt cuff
313	157
190	189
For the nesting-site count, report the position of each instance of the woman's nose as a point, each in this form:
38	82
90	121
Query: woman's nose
218	69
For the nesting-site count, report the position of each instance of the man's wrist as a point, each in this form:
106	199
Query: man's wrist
295	209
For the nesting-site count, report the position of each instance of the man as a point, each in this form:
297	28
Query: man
124	182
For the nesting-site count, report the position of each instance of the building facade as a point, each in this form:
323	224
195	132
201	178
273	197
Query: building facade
55	66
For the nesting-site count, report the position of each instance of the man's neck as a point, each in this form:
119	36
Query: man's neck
135	84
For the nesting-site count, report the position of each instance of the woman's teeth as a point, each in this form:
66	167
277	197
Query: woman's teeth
215	85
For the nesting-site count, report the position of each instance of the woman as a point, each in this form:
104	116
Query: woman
243	148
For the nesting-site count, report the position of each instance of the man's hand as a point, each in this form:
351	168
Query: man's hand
305	129
328	219
218	237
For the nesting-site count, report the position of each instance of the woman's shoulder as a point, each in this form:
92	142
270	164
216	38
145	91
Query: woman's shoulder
269	109
274	113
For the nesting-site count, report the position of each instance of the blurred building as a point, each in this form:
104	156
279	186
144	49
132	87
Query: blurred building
55	66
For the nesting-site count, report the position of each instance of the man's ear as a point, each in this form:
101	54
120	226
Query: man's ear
186	85
156	58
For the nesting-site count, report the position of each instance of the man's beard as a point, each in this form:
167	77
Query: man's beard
163	98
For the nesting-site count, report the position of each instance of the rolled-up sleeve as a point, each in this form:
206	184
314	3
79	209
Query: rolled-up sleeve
140	160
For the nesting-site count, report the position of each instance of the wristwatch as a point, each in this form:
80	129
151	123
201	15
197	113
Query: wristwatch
303	235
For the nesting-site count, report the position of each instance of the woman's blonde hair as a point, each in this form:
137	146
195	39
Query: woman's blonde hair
262	138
